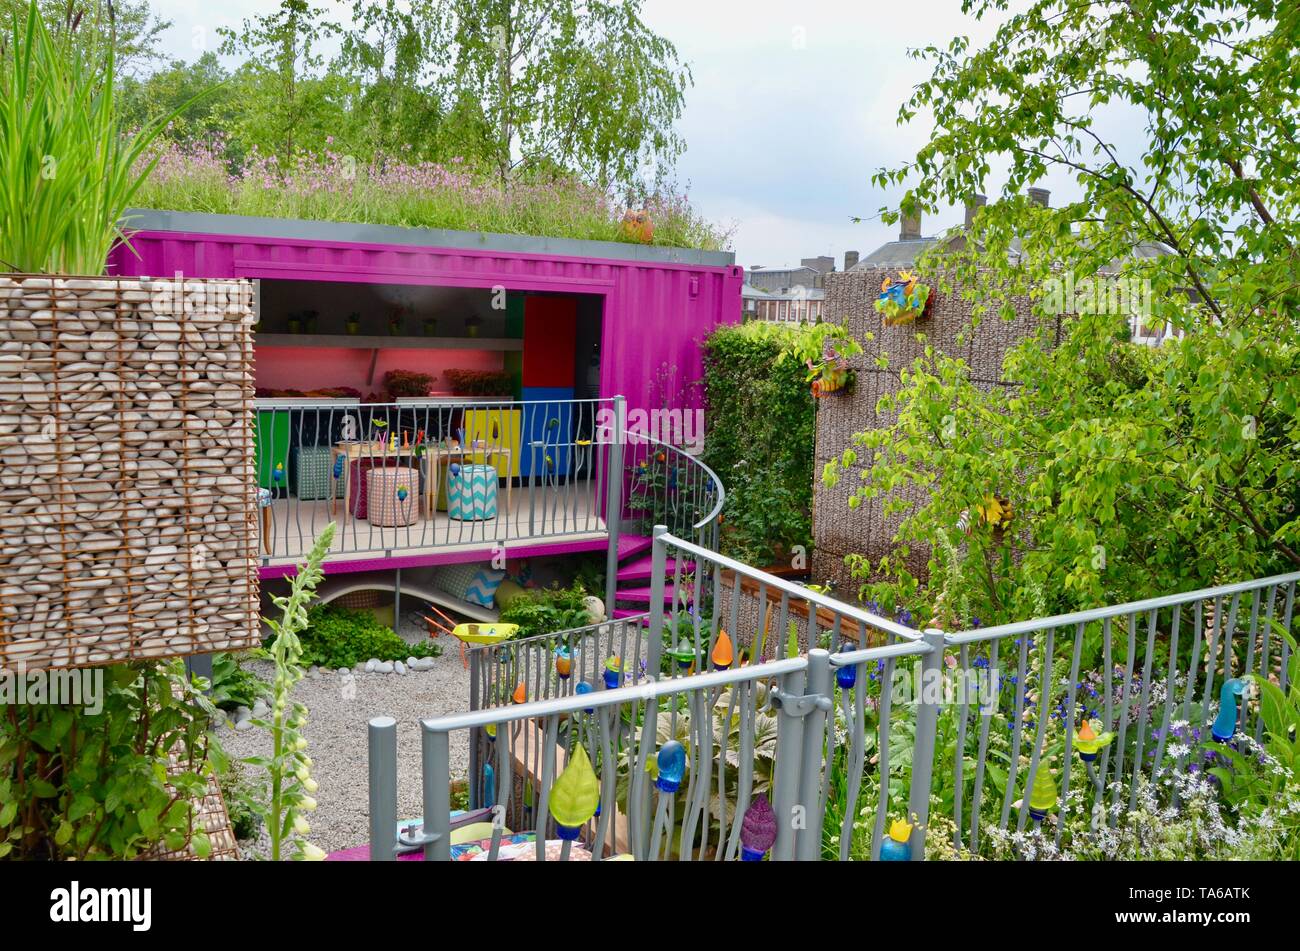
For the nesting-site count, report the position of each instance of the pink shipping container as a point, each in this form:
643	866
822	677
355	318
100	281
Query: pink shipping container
341	305
656	304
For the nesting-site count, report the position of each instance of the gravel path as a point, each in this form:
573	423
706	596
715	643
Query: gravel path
336	732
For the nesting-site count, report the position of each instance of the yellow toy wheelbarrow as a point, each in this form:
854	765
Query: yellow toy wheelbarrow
474	633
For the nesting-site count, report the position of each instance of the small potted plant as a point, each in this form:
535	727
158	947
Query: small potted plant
490	383
408	384
295	323
354	324
309	321
472	325
396	322
430	327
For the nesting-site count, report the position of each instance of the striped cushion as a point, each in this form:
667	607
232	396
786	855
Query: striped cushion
476	584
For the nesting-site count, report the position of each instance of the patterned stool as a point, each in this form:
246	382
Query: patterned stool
393	496
472	493
313	473
357	483
264	500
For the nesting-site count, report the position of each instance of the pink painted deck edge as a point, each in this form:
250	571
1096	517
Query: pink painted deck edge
459	557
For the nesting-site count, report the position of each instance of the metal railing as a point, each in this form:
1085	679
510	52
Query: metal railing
546	666
752	728
740	733
422	474
841	738
671	487
1163	664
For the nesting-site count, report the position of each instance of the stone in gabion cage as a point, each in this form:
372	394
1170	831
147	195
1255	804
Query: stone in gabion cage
127	506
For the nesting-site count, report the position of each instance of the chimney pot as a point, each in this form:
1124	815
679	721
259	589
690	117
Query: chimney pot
973	205
1040	196
850	259
911	228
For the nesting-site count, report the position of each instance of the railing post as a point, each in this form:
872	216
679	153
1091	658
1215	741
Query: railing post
614	503
435	755
789	760
475	702
808	843
383	789
658	567
928	700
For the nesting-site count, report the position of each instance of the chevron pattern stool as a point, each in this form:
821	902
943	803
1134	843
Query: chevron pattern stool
471	492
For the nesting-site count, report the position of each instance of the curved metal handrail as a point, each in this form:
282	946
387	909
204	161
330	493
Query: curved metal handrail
713	484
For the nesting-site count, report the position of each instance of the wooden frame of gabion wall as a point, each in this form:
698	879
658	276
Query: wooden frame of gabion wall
127	493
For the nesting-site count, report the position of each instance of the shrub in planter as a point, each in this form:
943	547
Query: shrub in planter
904	300
479	382
408	383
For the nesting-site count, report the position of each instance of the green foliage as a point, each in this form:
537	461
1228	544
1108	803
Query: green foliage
547	610
1258	784
288	769
565	84
340	637
521	92
67	168
1129	469
760	423
242	793
78	785
232	685
324	184
199	94
285	98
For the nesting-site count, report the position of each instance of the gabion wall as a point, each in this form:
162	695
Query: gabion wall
127	498
868	530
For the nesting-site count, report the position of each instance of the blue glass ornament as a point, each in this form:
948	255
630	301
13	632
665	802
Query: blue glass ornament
613	673
584	688
672	766
847	676
1225	724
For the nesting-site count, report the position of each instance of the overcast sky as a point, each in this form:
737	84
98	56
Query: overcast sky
793	108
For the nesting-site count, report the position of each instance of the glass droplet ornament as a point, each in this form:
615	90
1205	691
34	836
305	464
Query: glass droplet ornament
672	766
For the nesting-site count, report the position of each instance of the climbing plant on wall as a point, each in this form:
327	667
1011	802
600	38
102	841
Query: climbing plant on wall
759	438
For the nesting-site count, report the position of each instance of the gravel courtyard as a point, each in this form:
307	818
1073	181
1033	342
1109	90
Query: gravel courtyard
336	732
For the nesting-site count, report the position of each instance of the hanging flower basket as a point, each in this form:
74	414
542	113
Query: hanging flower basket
904	300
